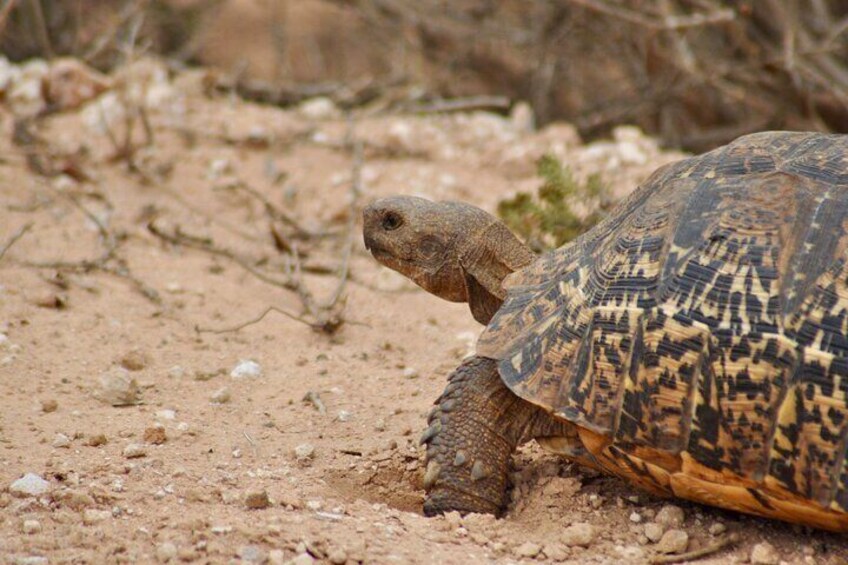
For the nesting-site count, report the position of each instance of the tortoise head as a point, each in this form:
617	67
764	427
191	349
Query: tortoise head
453	250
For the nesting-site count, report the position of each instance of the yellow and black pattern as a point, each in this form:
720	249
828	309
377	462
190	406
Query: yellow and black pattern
701	331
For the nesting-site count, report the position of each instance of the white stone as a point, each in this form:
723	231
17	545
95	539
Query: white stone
118	388
654	531
29	485
246	368
304	451
91	516
764	554
166	552
134	451
166	414
220	396
320	108
61	441
31	526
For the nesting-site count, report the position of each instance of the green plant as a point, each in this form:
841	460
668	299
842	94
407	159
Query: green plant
548	219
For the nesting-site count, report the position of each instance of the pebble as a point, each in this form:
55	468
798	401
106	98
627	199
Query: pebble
671	516
717	529
673	541
155	435
556	552
344	416
380	425
302	559
764	554
277	557
246	368
596	501
220	396
257	499
635	517
166	551
581	533
29	485
304	452
410	373
49	405
91	516
31	526
654	531
166	414
118	388
528	549
320	108
337	556
134	451
135	360
61	441
251	554
97	440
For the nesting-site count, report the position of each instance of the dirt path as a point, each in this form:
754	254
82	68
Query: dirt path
174	477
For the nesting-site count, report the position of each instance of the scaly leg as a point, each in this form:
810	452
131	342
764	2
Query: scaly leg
474	429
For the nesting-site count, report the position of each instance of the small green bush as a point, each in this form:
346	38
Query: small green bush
547	220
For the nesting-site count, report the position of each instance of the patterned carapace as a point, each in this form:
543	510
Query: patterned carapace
698	337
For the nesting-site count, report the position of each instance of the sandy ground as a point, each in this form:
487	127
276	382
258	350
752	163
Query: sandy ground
89	292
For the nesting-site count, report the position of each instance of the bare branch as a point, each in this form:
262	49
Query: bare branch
15	237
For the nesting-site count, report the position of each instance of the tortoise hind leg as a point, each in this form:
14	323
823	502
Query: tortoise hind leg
474	429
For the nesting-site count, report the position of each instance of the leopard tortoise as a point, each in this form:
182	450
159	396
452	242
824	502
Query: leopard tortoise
694	343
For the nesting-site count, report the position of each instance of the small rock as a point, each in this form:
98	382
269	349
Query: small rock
635	517
49	405
380	425
257	499
410	373
556	552
528	549
320	108
96	440
61	441
654	531
251	554
166	552
717	529
304	452
337	556
135	360
31	526
134	451
91	516
673	541
344	416
246	368
166	414
29	485
581	534
118	388
220	396
277	557
155	435
670	516
522	117
764	554
176	372
302	559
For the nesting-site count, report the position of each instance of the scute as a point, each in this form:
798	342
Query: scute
705	320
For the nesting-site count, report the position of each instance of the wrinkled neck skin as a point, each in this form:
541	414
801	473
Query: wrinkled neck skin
453	250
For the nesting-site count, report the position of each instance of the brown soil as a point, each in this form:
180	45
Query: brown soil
358	497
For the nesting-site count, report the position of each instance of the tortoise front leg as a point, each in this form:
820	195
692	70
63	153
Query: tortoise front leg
474	429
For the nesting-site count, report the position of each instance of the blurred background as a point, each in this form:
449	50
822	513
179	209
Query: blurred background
693	73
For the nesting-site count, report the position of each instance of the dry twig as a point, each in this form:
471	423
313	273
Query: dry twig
15	237
710	549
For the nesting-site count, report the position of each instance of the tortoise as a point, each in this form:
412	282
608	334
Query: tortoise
694	343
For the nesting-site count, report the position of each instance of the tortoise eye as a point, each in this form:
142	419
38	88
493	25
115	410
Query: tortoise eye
392	221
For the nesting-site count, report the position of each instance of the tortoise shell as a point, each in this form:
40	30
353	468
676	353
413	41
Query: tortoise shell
698	337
